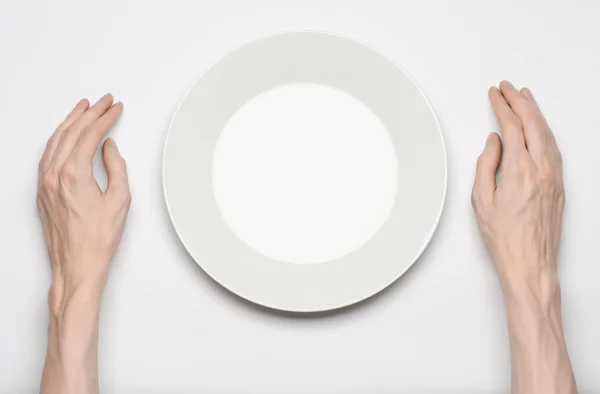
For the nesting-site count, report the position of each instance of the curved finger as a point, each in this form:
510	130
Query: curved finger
487	166
71	135
90	139
510	125
534	125
52	143
116	170
528	95
550	140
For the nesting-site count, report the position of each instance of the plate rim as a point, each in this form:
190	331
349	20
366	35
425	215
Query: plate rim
427	239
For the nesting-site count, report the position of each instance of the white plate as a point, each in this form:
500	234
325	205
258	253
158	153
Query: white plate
318	58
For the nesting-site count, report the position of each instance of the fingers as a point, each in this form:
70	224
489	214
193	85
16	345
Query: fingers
79	110
527	94
510	125
71	135
550	140
487	166
116	169
90	139
534	126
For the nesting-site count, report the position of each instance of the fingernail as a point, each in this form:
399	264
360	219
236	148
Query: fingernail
108	97
112	143
527	93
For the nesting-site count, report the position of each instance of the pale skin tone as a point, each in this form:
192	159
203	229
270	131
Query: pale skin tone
518	205
83	227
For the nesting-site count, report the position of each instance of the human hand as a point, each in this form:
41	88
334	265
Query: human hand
519	213
83	228
82	224
518	199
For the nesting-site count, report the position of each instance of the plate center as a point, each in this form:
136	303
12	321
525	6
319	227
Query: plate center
304	173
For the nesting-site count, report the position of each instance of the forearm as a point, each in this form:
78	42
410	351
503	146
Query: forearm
539	359
71	360
83	226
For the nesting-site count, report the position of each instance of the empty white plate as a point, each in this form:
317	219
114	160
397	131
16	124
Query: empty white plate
292	62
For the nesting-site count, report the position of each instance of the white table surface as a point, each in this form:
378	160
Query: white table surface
165	326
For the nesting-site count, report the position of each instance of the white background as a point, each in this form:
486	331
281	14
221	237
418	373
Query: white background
166	327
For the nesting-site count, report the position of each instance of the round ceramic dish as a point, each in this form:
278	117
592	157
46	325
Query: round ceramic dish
319	58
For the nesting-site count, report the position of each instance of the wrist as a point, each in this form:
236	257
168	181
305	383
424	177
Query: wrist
536	288
533	304
538	349
74	298
78	287
71	358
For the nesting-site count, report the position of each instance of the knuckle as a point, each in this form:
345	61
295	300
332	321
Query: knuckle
67	131
549	178
67	173
521	103
68	169
547	173
515	122
61	127
49	183
529	110
525	164
52	140
533	121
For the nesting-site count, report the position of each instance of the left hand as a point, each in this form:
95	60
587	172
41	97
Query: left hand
82	224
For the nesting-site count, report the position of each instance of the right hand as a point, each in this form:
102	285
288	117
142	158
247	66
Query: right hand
519	212
519	207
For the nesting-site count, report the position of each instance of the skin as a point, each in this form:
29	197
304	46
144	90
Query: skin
518	199
83	227
517	196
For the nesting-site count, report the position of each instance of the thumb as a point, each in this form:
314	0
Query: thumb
487	164
116	168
